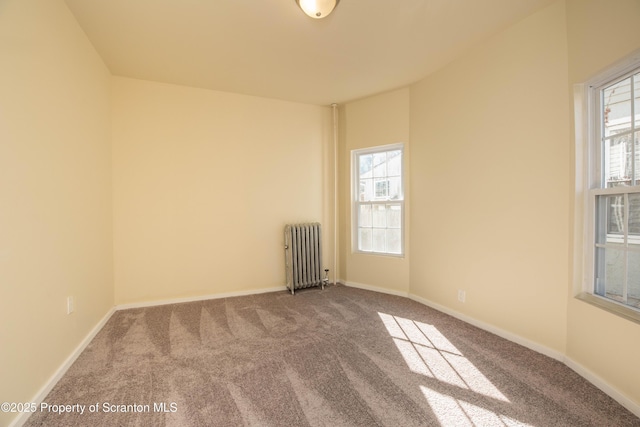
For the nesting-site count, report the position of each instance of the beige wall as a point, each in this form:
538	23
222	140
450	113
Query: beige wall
607	345
55	193
490	178
379	120
204	183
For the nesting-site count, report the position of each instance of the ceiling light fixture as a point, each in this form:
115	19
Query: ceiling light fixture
317	8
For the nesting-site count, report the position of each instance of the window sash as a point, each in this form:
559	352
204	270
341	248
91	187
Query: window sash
598	137
383	238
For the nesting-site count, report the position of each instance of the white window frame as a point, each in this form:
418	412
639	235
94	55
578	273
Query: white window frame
355	191
589	185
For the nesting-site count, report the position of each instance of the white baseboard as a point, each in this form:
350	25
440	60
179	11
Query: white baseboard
539	348
199	298
44	391
594	379
374	288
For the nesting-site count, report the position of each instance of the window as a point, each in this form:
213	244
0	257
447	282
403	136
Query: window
613	174
378	200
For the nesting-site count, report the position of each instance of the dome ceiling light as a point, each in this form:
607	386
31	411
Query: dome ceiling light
317	9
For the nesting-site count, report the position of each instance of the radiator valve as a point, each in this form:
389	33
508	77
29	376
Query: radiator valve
325	281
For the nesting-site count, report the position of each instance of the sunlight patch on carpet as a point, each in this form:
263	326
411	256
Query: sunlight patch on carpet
458	413
427	352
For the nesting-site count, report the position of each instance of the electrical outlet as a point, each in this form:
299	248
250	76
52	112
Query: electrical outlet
70	305
462	295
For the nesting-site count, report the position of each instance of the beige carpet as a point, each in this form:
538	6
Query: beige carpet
338	357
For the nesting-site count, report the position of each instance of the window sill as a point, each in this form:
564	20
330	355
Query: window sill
381	254
611	307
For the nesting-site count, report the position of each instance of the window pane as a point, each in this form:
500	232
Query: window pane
394	216
599	270
394	162
610	273
364	239
618	167
365	163
379	240
381	188
636	155
616	222
379	216
634	217
636	85
395	190
364	216
380	164
365	190
617	107
610	219
394	243
633	279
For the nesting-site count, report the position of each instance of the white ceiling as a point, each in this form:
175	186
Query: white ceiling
270	48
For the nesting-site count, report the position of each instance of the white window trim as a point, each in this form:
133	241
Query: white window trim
587	185
355	186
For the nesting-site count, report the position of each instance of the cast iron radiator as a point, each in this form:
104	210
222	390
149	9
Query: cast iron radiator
303	256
